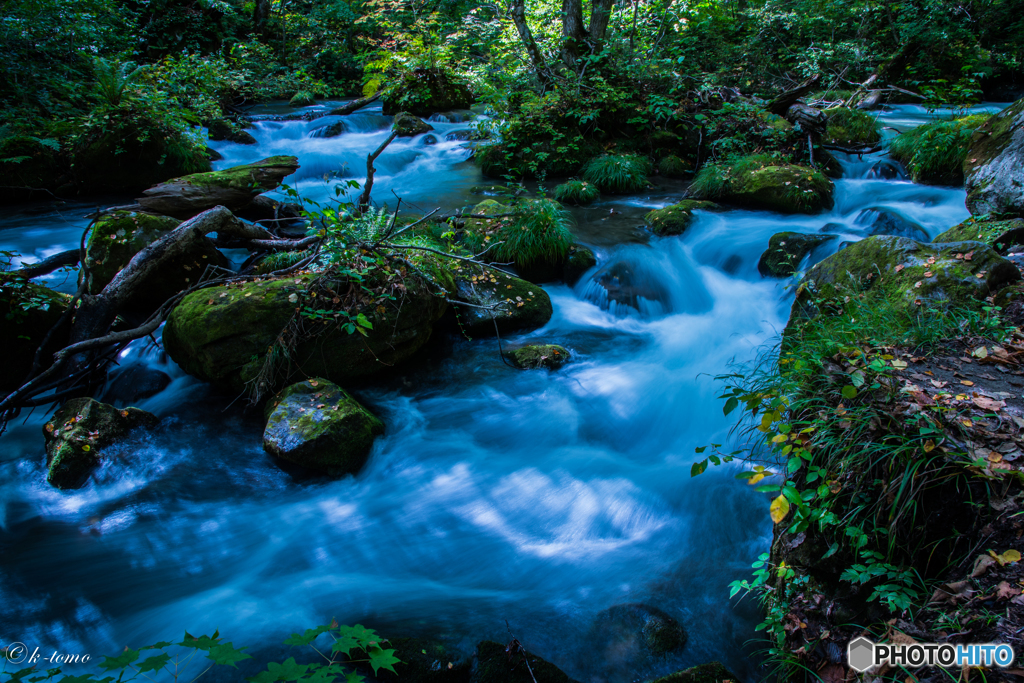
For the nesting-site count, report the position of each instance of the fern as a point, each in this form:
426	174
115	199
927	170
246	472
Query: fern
113	79
935	152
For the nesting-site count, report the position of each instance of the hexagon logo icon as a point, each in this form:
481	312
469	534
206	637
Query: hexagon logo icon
860	654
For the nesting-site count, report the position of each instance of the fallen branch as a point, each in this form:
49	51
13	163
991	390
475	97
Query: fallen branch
357	104
781	104
71	257
364	198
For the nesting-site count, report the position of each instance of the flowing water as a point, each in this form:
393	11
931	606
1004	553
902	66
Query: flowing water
534	497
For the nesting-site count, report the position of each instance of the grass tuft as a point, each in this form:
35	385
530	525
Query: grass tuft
578	192
935	152
618	173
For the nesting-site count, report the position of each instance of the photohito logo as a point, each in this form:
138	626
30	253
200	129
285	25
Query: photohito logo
862	654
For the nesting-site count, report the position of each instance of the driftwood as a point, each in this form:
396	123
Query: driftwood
70	257
781	104
364	198
356	104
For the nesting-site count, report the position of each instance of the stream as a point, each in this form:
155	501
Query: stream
540	498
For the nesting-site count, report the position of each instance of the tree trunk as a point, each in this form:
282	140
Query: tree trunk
260	14
600	13
519	17
574	35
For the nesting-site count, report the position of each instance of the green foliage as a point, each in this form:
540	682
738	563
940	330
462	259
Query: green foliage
850	127
617	173
578	192
540	234
112	79
935	152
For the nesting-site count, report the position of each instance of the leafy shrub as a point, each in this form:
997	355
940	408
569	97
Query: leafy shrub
673	167
850	127
578	192
618	174
541	233
935	152
112	79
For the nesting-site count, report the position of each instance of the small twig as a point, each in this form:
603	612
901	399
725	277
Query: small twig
364	198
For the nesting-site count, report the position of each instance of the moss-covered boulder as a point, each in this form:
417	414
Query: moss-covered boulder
637	627
77	433
317	424
785	252
760	182
851	128
493	665
425	91
994	164
675	219
234	335
425	660
118	236
999	234
302	98
407	125
580	260
533	356
907	275
233	188
712	672
222	129
27	314
496	298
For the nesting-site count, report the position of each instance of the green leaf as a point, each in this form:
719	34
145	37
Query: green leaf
730	405
698	467
154	663
308	637
225	654
287	671
200	643
382	659
849	392
121	661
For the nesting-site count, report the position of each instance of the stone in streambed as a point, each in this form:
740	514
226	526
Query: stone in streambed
994	165
77	433
712	672
635	629
675	219
426	660
493	665
785	252
580	260
407	125
517	304
222	129
533	356
318	425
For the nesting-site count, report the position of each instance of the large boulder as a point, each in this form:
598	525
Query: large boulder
233	335
233	188
1000	234
494	298
425	91
119	236
994	166
28	311
675	219
406	125
535	356
906	274
317	424
761	183
495	665
223	129
637	629
785	252
77	433
580	260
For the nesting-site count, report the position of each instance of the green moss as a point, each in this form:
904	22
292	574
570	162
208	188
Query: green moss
533	356
28	311
673	167
785	252
993	165
407	125
675	219
425	91
712	672
762	182
1000	234
935	152
581	259
303	98
617	173
244	176
578	192
851	128
520	305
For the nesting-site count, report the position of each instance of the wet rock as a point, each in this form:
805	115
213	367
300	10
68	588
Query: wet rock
135	382
462	135
117	237
303	98
886	170
77	433
407	125
623	283
28	311
234	188
521	305
580	260
533	356
494	666
429	140
1000	234
213	155
889	222
425	660
424	91
785	252
994	166
223	335
222	129
675	219
712	672
318	425
263	207
759	183
331	130
636	628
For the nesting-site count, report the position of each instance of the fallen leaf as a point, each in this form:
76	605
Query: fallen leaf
928	273
900	267
967	382
980	352
899	364
988	403
936	383
779	509
1007	557
1004	591
981	565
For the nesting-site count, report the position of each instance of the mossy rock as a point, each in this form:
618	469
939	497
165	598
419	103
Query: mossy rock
425	660
712	672
225	335
763	183
644	629
222	129
77	433
119	236
534	356
851	128
423	92
521	305
581	259
785	252
407	125
906	274
303	98
28	312
234	188
317	424
675	219
999	234
533	234
674	167
994	164
492	666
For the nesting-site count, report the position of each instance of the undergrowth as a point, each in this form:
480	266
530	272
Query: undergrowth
578	192
935	152
850	127
618	173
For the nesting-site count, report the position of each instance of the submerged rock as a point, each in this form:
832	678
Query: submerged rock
994	166
1000	234
712	672
635	628
407	125
425	660
675	219
517	304
233	188
533	356
882	221
78	431
625	283
785	252
318	425
119	236
580	260
28	311
493	665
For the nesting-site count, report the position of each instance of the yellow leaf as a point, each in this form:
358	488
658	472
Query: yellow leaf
756	478
929	446
1008	557
899	364
980	352
779	509
778	438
